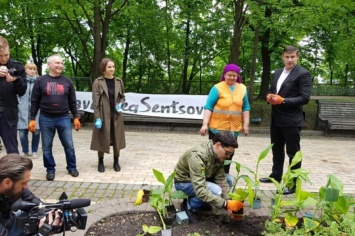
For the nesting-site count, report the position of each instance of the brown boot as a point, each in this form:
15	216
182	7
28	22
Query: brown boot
116	165
101	167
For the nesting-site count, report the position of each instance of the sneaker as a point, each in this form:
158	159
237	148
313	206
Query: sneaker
34	155
192	217
26	154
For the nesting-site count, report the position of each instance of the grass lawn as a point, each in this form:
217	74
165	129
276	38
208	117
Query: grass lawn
263	110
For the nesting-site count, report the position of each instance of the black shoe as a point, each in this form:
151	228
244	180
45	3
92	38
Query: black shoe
265	180
205	207
288	191
192	217
74	173
101	167
116	167
50	176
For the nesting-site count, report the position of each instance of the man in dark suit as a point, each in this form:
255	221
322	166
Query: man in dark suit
289	91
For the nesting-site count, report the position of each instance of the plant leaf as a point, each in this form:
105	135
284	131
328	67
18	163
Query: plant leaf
331	194
154	229
145	227
291	220
296	159
310	224
178	194
336	183
264	153
159	176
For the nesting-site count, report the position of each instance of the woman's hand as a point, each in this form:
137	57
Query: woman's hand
204	130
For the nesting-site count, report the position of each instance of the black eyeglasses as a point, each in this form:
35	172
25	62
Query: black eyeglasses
228	153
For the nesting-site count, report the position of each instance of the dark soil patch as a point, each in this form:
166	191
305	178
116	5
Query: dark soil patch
208	225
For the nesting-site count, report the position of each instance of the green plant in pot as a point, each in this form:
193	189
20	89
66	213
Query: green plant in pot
161	199
251	189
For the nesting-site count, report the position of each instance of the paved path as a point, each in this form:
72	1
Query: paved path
113	192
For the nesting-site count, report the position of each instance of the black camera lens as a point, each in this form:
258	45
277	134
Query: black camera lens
13	72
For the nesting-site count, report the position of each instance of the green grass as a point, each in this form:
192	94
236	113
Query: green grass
263	110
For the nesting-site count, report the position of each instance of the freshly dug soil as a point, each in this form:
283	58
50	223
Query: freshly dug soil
208	225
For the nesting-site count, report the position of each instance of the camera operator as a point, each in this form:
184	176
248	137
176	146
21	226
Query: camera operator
12	83
15	172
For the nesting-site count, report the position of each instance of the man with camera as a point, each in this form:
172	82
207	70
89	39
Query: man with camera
15	172
12	83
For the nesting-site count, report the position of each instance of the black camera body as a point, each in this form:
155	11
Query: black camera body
73	215
13	72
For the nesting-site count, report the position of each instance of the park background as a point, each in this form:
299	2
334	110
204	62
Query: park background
181	47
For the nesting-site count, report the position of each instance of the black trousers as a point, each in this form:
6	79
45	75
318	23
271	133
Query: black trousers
8	135
281	137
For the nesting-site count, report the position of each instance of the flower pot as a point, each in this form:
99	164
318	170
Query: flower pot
166	232
146	195
308	215
169	219
257	203
238	215
171	209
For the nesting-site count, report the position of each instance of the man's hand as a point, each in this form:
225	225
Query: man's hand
274	99
32	126
3	71
234	205
268	97
77	124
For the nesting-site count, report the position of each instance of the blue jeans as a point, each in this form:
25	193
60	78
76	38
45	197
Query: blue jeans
194	202
48	128
24	140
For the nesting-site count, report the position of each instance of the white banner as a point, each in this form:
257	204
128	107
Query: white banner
162	105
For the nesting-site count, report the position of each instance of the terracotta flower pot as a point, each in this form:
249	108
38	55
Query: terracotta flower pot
146	195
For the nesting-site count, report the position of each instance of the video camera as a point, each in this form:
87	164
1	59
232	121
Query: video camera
73	213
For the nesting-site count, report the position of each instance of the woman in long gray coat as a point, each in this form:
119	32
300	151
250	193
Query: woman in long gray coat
108	97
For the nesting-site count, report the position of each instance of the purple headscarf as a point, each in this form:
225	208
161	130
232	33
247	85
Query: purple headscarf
232	67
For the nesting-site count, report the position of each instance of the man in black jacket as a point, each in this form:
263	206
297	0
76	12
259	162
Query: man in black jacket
12	83
289	91
15	172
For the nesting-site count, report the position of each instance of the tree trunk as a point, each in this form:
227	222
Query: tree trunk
186	57
265	58
239	21
98	53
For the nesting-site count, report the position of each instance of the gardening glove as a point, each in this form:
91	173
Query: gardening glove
118	107
98	123
234	205
76	124
32	126
276	99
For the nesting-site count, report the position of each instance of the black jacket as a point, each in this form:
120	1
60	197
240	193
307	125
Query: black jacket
296	90
6	216
10	90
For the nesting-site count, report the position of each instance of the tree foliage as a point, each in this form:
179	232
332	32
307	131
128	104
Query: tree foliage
181	46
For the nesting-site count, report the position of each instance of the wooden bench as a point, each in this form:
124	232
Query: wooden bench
335	115
83	116
172	121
